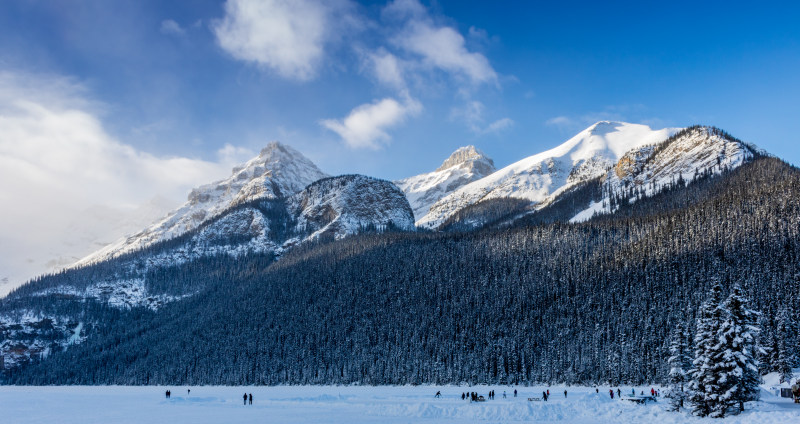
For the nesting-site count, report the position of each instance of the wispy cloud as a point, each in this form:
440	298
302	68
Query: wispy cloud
170	27
437	46
472	114
366	125
285	36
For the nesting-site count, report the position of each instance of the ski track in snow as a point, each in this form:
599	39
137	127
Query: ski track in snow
351	404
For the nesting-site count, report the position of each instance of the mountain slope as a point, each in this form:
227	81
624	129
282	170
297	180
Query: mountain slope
465	165
690	154
540	177
278	171
55	311
589	303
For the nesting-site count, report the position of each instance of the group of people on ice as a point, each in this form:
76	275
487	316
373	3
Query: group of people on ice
475	397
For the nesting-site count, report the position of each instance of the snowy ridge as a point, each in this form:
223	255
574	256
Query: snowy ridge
690	154
333	207
465	165
541	177
278	171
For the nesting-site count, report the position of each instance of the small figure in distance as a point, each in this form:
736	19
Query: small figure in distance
504	394
463	396
544	396
565	393
244	399
515	392
251	398
438	394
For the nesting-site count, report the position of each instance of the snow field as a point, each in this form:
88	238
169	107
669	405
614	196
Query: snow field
352	404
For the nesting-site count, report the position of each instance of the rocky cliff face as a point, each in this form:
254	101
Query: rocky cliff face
465	165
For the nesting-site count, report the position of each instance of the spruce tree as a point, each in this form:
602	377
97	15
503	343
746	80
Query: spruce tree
784	347
735	362
679	365
704	385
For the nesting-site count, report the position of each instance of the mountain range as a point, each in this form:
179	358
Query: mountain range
278	215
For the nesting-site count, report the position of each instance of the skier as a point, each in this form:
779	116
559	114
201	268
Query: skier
544	396
548	392
167	394
438	394
244	399
188	391
652	391
619	393
611	392
596	390
251	398
463	396
565	394
515	392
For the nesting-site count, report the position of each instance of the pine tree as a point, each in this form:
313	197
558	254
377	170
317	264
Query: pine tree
735	362
784	343
704	385
679	364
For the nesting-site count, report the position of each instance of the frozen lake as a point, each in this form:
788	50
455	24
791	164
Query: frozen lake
355	404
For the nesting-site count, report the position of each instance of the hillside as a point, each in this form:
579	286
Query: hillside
589	303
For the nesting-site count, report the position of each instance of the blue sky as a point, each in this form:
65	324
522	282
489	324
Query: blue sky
112	103
168	86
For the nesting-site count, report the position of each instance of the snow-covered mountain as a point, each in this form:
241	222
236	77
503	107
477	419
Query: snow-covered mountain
98	226
465	165
278	171
541	177
689	154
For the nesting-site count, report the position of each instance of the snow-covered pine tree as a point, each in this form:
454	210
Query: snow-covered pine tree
735	362
784	346
679	365
704	384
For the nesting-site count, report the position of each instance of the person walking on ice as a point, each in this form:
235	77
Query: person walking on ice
565	394
504	394
244	399
251	398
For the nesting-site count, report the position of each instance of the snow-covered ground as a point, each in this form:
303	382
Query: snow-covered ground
330	404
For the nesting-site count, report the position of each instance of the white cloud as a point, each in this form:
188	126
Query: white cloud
439	46
499	125
559	121
472	115
286	36
366	125
387	69
170	27
57	161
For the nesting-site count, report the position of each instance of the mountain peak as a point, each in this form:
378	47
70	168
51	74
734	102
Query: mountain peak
278	171
274	147
465	154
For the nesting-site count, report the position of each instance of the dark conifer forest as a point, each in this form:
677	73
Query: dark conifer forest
526	302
